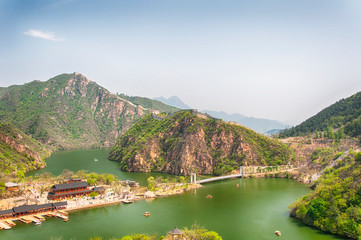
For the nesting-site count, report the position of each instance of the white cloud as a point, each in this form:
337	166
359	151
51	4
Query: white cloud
43	35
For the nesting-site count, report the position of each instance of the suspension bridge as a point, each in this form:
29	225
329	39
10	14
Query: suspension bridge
245	172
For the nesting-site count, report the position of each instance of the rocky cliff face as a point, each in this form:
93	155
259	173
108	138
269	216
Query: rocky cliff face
68	112
20	152
191	142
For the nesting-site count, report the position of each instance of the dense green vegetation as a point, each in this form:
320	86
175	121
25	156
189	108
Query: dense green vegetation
67	112
149	103
195	233
335	203
226	144
19	153
341	117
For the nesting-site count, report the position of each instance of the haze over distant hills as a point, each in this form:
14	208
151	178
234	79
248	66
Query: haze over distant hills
260	125
173	101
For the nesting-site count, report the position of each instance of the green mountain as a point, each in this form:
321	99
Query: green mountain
335	203
189	141
150	103
344	115
19	152
68	112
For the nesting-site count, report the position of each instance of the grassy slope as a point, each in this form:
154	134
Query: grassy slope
12	160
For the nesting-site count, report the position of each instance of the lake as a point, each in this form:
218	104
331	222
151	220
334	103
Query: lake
254	210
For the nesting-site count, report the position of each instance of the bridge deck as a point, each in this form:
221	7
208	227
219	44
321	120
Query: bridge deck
219	178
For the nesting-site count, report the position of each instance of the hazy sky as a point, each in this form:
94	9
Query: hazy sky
283	60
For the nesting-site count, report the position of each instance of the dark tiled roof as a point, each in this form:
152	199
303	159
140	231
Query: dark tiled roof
5	212
175	231
59	204
73	180
28	208
98	189
69	185
25	208
70	193
46	205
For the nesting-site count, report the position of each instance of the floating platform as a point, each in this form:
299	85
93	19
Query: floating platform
50	214
63	213
34	219
39	217
65	218
4	226
9	222
25	220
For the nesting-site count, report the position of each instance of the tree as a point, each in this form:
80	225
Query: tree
151	183
93	194
358	157
20	174
91	181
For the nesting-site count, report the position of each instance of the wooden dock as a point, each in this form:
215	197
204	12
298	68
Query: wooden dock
63	212
9	222
25	220
4	226
59	215
35	218
39	217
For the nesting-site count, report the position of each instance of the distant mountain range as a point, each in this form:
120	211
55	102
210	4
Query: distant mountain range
260	125
173	101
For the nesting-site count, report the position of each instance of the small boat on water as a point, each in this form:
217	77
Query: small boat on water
38	223
278	233
126	201
95	160
147	214
209	196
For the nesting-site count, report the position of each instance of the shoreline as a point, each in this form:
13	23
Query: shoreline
109	203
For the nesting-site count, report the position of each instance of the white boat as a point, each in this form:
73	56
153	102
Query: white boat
38	223
95	160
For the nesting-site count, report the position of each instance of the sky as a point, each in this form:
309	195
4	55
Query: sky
282	60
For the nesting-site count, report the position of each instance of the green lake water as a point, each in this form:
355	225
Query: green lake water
254	210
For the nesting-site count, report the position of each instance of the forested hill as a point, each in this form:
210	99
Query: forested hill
19	153
68	112
342	117
335	204
189	142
